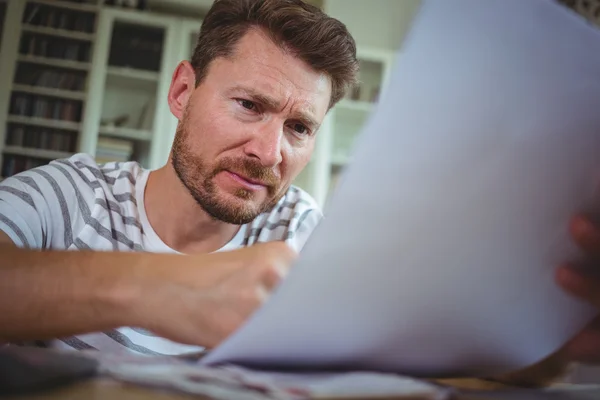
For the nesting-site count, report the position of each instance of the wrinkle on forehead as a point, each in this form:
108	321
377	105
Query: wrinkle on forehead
283	72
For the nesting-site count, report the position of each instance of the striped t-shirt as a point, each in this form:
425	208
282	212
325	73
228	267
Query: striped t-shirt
76	204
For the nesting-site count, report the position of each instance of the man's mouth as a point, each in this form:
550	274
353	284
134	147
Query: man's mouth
250	183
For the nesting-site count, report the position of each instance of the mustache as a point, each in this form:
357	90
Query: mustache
249	168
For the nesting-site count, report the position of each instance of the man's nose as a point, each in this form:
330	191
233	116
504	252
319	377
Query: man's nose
265	144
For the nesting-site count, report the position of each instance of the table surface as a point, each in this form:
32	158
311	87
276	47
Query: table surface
104	388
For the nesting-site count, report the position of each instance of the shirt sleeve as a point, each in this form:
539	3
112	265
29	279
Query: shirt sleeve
308	220
21	217
41	208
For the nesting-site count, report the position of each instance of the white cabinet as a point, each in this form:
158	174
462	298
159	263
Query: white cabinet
44	69
336	138
127	100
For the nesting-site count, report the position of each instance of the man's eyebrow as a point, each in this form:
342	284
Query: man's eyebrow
307	120
263	99
271	103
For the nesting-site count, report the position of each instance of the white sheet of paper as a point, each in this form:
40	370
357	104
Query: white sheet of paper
438	252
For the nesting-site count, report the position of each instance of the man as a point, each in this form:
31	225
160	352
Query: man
263	76
250	103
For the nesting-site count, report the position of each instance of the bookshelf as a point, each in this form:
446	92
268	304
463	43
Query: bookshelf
46	66
57	63
62	33
133	61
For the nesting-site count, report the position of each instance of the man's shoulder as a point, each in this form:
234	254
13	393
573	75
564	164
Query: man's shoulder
87	167
79	175
292	219
297	201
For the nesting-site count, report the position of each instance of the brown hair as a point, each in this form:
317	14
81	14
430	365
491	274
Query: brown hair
322	42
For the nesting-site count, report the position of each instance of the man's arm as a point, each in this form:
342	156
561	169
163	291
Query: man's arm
55	294
191	299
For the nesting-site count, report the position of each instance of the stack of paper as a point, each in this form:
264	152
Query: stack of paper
438	253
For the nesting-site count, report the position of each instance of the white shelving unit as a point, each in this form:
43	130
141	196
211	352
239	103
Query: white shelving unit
62	33
46	45
127	108
335	139
35	153
50	62
90	5
50	92
44	123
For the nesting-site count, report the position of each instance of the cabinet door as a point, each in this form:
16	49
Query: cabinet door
128	94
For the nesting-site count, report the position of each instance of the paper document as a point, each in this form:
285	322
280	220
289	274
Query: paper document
438	253
230	382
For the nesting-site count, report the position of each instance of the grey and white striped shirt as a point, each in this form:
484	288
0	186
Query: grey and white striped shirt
76	204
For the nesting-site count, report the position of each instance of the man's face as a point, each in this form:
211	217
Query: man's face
249	129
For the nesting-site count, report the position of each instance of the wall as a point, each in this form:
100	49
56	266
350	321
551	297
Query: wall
375	23
194	8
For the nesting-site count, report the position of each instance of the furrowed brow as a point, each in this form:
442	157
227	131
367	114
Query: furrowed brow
307	120
264	100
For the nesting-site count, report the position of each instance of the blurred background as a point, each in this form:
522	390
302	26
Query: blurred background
93	75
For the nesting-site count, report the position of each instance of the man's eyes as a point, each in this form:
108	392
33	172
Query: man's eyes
300	128
297	127
247	104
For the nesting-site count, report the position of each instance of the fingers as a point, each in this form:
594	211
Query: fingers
583	285
583	282
586	235
272	275
584	347
273	263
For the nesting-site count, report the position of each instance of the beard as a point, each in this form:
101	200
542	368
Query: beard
198	178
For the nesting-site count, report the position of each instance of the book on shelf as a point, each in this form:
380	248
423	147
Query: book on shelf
112	149
45	107
34	75
14	164
50	47
40	138
46	15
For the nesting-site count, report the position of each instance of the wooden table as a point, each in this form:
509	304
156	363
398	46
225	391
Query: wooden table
103	387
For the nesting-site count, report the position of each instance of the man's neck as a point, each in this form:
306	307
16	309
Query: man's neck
178	219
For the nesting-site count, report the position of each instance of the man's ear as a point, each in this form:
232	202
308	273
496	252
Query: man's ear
183	83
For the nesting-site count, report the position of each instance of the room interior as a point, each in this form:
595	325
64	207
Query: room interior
92	76
70	82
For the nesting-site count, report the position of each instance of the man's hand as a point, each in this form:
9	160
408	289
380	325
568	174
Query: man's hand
585	347
195	299
584	283
210	296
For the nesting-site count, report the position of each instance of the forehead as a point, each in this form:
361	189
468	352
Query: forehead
259	62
